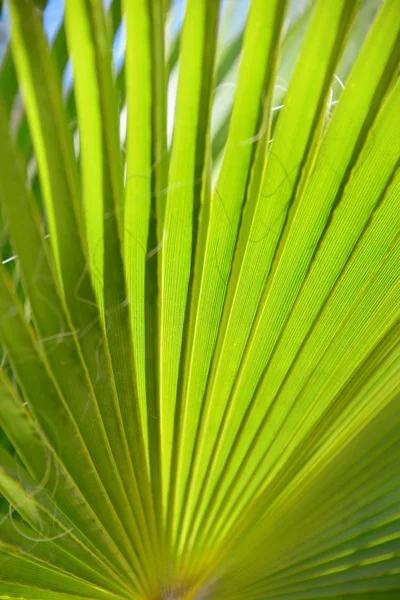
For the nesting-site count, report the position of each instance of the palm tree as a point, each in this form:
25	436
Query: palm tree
200	392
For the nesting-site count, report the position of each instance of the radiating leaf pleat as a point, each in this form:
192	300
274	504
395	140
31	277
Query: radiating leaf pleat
62	553
87	26
263	336
262	32
338	521
20	428
48	406
76	284
138	190
21	570
292	152
384	225
34	502
29	592
181	214
57	336
374	315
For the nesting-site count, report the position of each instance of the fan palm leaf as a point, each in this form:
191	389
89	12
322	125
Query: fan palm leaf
199	385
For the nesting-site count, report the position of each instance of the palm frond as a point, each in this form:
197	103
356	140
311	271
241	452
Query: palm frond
200	361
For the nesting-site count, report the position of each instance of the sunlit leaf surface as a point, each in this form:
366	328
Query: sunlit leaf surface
200	300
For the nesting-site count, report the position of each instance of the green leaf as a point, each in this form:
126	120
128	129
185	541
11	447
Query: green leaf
86	26
221	230
55	327
200	358
291	155
188	162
